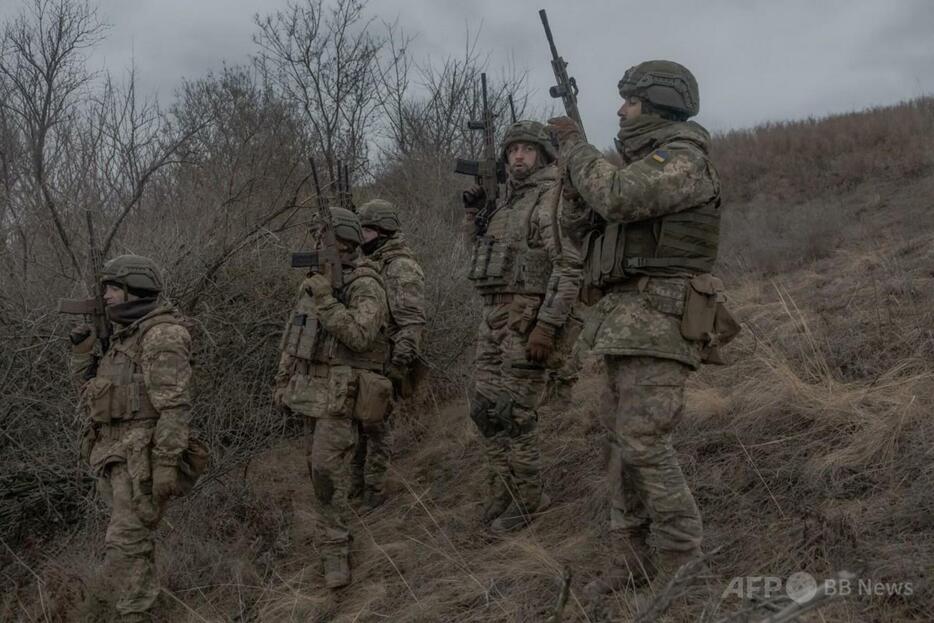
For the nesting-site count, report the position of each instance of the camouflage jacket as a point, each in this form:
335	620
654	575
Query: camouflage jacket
356	318
531	208
151	357
405	289
667	171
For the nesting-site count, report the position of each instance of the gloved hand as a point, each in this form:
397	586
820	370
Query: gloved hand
164	482
317	285
474	198
541	343
397	374
565	130
278	399
82	339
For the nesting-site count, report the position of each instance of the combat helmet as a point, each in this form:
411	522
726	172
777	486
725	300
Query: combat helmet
346	225
664	84
134	273
380	214
529	132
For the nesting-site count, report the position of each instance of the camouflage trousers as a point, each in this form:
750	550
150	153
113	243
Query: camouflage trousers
329	450
649	496
371	458
505	377
129	569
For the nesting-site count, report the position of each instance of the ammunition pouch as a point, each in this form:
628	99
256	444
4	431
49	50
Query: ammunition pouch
706	318
509	264
107	401
374	397
301	335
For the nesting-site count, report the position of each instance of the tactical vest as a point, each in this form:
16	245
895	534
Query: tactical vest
306	340
502	260
117	392
675	244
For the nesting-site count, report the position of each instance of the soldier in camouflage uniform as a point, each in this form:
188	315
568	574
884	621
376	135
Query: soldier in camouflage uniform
527	274
656	239
384	244
334	350
137	397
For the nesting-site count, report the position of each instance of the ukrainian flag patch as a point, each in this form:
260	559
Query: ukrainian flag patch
660	156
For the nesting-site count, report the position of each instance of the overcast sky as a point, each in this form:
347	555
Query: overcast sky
755	60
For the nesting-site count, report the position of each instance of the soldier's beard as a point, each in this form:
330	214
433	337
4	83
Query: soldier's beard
522	171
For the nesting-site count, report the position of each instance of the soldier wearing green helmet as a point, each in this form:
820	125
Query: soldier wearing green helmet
137	398
527	275
650	232
331	371
386	246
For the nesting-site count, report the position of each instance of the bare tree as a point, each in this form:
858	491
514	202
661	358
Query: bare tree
325	61
42	66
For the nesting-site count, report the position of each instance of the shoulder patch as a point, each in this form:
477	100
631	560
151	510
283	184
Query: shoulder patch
660	156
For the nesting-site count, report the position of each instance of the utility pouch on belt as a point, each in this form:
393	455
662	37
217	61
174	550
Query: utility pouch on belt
374	394
706	318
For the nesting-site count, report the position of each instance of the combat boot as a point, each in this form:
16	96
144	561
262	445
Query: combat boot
336	568
631	566
499	497
519	515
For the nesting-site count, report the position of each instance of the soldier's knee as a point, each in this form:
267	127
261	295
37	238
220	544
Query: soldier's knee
645	451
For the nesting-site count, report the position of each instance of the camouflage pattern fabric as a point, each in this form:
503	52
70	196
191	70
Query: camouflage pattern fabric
124	451
326	393
501	370
652	184
648	492
636	324
405	290
529	210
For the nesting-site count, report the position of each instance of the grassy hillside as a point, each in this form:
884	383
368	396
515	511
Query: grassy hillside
811	452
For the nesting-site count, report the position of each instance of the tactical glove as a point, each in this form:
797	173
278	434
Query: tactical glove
541	343
565	130
474	198
318	286
164	482
278	399
82	339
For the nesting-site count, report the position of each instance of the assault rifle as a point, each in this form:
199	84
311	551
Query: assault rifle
327	258
94	306
566	87
489	171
